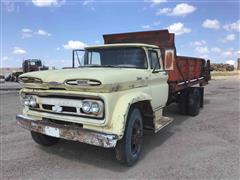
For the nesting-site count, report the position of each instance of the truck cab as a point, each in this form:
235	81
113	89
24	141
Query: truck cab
147	59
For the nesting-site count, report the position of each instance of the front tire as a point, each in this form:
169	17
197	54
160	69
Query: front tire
43	139
129	148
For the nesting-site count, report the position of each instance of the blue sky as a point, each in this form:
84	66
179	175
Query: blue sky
50	29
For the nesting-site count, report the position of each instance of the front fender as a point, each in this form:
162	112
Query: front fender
122	107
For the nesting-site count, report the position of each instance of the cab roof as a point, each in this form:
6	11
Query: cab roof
122	45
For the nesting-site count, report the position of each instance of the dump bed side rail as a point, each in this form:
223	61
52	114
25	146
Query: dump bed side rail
187	72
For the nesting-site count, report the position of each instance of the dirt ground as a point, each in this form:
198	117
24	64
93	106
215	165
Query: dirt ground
202	147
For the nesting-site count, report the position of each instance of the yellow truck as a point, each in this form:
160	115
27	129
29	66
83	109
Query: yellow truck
113	93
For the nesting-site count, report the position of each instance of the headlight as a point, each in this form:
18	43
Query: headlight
92	107
33	102
95	108
26	102
86	106
29	100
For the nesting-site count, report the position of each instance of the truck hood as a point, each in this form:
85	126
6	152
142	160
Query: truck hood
108	79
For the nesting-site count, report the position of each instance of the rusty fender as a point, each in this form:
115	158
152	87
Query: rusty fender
121	110
69	132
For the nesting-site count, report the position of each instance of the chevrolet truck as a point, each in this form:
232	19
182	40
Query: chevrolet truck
113	93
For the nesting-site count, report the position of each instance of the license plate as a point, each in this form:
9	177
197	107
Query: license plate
51	131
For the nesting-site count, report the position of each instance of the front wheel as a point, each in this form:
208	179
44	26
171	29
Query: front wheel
129	148
43	139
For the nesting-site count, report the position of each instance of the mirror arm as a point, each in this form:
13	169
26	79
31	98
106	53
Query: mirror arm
155	66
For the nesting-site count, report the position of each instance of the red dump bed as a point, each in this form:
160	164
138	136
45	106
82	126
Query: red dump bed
182	71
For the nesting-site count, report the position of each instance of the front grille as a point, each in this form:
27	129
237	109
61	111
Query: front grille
65	110
69	109
64	106
47	107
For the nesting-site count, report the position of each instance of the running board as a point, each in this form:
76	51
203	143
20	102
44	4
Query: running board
161	123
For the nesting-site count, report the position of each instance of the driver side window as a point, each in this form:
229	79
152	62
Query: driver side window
94	58
154	60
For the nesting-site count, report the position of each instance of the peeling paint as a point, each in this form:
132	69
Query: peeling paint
70	132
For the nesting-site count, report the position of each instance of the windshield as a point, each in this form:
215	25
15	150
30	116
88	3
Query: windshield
131	57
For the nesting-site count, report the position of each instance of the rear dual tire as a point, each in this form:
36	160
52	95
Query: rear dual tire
194	102
190	101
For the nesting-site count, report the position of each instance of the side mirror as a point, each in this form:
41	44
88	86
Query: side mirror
169	59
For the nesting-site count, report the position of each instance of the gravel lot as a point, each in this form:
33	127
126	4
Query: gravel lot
9	86
202	147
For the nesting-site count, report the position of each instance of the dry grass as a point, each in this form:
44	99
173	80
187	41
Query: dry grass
225	73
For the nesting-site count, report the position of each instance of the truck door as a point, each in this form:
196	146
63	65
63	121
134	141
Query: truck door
158	79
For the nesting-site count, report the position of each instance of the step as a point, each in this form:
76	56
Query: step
161	123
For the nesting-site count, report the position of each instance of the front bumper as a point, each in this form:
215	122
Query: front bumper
68	132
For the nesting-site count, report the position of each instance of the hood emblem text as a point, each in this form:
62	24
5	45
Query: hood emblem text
53	83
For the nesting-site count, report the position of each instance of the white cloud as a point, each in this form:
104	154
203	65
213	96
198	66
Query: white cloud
25	30
229	37
74	45
227	54
178	28
86	2
238	53
26	33
166	11
183	9
47	3
211	24
179	10
8	6
216	50
146	26
156	2
233	26
198	43
202	49
58	49
43	33
18	50
231	62
204	56
5	58
230	54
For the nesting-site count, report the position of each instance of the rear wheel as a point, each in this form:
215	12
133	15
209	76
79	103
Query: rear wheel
43	139
189	101
194	99
129	148
183	102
